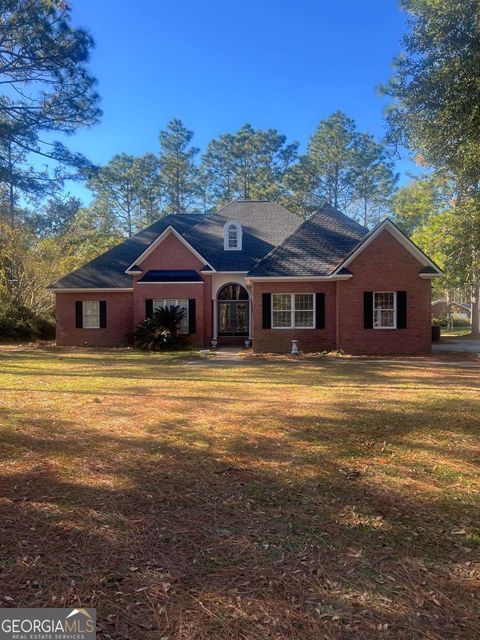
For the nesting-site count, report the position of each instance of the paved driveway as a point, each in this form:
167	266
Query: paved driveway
461	346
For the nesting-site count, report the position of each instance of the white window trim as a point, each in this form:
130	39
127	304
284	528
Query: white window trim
84	315
175	301
226	228
292	310
382	328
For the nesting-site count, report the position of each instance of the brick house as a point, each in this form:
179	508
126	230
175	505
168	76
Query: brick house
255	271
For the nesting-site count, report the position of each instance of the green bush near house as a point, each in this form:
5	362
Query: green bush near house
441	321
21	323
161	331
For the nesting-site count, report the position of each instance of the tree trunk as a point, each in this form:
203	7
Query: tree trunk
449	311
335	190
11	190
476	311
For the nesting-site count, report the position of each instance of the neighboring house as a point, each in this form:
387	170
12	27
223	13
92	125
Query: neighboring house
460	310
255	270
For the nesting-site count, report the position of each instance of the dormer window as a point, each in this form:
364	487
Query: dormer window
232	236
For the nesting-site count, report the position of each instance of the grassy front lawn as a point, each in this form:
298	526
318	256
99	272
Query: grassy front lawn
190	500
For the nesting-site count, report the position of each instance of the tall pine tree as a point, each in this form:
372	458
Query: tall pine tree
43	67
250	164
178	172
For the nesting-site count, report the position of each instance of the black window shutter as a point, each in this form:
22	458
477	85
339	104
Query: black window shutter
79	314
192	320
368	309
401	309
320	311
266	310
148	309
103	314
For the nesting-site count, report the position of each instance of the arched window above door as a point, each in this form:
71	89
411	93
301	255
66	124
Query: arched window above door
232	236
232	291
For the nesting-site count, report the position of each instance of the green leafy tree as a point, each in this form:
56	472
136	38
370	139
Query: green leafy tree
435	110
463	251
127	189
178	172
47	89
55	218
415	203
93	231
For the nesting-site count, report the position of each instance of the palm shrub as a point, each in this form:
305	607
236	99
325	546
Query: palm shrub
161	331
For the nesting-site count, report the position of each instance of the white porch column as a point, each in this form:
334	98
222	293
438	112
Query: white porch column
215	318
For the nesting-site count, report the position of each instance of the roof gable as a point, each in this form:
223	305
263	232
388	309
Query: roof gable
433	269
108	269
170	230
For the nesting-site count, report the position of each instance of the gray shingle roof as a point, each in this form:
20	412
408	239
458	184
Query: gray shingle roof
108	270
316	248
264	226
275	243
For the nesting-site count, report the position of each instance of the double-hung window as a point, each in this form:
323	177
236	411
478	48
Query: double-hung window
232	237
293	310
91	314
173	302
384	310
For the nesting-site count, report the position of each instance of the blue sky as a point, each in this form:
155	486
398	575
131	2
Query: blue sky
218	64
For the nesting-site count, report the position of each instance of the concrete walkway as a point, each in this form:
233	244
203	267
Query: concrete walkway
458	346
222	356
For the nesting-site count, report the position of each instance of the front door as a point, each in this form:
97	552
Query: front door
233	318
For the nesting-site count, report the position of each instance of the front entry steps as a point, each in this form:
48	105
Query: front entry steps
225	354
229	351
230	341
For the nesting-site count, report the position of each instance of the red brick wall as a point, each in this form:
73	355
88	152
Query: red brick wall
280	340
126	309
385	265
173	290
171	253
119	320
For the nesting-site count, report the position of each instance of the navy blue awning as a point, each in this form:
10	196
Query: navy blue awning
155	275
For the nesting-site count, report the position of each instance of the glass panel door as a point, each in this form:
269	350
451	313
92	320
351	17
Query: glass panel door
233	319
241	319
225	324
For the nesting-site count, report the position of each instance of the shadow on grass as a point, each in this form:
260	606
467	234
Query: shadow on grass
188	544
264	518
